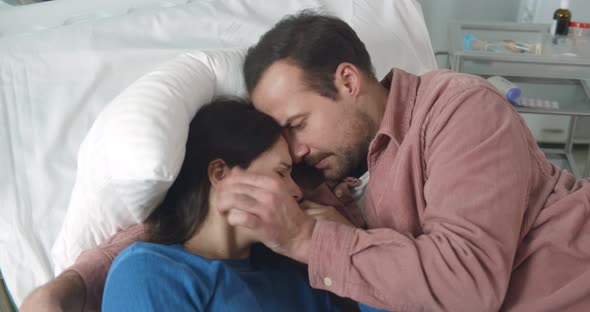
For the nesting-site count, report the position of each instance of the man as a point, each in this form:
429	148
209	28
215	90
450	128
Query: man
464	212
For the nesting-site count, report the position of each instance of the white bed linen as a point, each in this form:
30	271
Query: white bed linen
53	83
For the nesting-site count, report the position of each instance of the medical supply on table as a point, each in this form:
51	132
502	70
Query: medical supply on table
509	90
576	43
471	43
579	35
579	29
538	103
561	19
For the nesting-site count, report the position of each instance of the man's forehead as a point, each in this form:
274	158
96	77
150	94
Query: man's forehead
282	110
272	108
280	92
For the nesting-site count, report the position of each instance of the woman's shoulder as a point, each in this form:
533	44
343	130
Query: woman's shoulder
149	248
146	275
165	260
147	253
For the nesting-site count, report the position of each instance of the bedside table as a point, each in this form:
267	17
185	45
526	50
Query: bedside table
554	80
558	97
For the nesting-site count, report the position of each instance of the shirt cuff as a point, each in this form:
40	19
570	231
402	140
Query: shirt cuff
330	256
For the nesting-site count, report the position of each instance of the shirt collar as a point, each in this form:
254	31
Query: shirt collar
397	117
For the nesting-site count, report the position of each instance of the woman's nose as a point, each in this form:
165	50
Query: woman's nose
295	191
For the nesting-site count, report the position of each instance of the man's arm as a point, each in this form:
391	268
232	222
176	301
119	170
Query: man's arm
80	286
65	293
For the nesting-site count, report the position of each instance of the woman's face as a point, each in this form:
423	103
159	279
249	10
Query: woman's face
276	162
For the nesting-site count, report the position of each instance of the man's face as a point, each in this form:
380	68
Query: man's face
331	135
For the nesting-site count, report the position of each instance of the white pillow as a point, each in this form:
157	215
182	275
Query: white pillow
136	146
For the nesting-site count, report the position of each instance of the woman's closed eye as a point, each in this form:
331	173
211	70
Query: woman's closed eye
284	170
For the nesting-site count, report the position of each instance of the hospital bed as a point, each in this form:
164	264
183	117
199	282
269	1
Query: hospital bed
62	61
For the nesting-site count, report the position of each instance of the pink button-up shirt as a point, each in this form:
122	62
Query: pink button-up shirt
464	212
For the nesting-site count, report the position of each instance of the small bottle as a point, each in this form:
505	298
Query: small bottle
579	34
561	19
578	29
509	90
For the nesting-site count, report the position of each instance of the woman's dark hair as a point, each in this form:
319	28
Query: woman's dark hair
229	129
315	43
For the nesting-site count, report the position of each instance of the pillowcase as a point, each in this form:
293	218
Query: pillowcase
135	148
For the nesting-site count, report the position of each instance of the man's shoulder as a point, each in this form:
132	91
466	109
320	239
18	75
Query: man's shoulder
444	79
444	89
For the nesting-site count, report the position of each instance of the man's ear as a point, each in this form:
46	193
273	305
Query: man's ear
217	171
348	79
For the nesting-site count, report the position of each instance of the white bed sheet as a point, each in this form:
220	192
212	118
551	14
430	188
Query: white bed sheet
54	81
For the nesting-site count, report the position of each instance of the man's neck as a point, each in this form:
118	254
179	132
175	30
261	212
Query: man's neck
378	95
361	169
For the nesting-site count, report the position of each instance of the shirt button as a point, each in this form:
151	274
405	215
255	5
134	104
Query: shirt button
327	281
338	193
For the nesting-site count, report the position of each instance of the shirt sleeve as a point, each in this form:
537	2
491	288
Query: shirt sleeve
93	265
477	167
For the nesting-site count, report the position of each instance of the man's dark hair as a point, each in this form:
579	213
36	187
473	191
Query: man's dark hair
229	129
315	43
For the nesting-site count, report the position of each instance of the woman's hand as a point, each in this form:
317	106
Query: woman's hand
324	213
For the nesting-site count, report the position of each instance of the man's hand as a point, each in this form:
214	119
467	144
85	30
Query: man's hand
263	205
66	292
324	213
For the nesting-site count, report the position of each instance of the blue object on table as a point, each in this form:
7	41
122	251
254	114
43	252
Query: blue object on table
509	90
468	41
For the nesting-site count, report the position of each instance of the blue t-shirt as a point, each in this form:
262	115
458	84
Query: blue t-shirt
154	277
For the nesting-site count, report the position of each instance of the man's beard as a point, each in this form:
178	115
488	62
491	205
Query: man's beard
349	161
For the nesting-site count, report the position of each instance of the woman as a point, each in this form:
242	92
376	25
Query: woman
196	261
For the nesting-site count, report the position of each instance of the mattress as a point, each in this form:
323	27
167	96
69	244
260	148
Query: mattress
61	62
